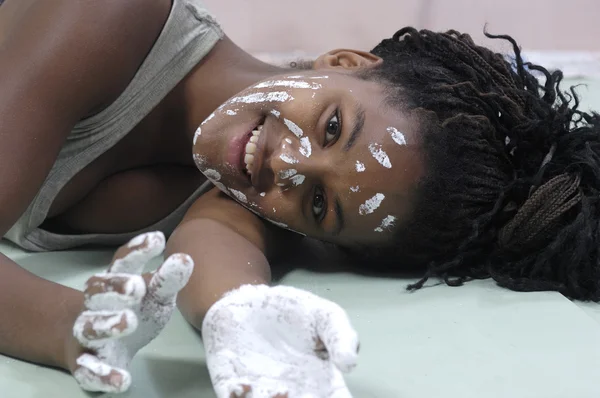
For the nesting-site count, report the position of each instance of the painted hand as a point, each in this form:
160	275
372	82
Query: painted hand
124	311
278	342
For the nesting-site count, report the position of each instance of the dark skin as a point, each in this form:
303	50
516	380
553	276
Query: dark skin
47	46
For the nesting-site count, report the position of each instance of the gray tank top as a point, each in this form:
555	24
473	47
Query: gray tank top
188	35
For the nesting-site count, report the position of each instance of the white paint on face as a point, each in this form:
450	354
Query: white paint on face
305	148
360	167
220	186
386	223
275	113
319	77
274	210
397	136
380	155
288	159
197	134
285	174
313	96
239	195
298	179
288	84
371	204
231	113
293	128
275	96
279	224
294	77
199	160
289	141
213	175
208	118
355	189
280	184
263	194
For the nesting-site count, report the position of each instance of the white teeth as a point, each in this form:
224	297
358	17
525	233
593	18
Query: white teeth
251	149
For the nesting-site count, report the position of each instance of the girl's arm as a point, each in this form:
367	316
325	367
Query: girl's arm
229	246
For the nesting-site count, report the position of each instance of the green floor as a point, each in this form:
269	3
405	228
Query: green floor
477	341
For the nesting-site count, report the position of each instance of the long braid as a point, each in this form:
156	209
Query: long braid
513	183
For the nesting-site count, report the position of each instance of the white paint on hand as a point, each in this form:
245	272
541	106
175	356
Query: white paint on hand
371	204
305	148
288	84
380	155
212	174
244	331
293	128
360	167
397	136
288	159
239	195
298	179
386	223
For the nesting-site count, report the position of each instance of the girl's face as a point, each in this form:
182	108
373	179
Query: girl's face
316	152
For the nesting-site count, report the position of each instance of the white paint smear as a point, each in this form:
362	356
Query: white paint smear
199	160
397	136
293	128
239	195
360	167
288	83
355	189
305	148
208	118
288	159
262	194
275	96
285	174
380	155
231	113
197	134
298	179
386	223
213	175
371	204
289	141
279	224
275	113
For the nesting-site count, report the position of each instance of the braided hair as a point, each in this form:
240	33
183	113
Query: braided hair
512	189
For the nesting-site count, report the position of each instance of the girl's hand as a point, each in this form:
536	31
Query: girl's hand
278	342
124	311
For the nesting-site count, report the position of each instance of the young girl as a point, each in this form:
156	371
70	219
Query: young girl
428	151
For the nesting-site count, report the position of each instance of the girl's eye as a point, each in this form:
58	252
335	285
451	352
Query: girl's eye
319	205
333	128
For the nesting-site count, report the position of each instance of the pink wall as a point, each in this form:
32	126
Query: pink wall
314	26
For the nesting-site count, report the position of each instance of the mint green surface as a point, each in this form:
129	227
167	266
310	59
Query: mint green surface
477	341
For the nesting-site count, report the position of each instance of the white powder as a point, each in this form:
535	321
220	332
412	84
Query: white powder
239	195
397	136
380	155
293	128
386	223
360	167
371	204
305	148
